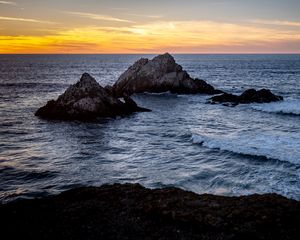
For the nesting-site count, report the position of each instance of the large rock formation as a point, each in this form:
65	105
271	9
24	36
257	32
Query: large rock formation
249	96
161	74
87	100
133	212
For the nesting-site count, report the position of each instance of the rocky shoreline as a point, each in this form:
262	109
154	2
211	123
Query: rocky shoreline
130	211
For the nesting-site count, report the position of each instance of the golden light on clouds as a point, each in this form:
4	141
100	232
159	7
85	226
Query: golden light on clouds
25	20
98	17
8	3
156	36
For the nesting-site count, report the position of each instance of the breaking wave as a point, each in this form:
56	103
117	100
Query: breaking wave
290	107
283	148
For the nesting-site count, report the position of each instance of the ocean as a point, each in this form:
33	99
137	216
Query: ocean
183	142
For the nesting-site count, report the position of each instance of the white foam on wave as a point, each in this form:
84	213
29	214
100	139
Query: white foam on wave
283	107
280	147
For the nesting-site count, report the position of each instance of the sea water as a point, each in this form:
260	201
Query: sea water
183	142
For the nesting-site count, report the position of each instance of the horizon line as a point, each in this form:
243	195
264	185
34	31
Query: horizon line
158	53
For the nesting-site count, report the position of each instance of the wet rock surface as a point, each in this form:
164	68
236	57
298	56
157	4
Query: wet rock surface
248	96
87	100
131	211
161	74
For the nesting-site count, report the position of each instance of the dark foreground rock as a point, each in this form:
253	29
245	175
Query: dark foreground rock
249	96
87	100
131	211
161	74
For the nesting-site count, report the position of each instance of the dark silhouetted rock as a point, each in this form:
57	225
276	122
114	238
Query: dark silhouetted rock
87	100
249	96
261	96
131	211
161	74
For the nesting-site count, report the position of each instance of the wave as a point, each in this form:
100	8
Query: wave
285	72
284	148
289	107
33	84
11	174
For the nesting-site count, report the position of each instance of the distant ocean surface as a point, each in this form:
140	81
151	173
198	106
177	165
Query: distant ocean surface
183	142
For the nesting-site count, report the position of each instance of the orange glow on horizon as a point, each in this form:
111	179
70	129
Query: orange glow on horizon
158	36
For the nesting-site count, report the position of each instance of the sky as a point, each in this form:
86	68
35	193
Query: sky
155	26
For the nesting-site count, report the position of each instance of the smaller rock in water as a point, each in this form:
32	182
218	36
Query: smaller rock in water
249	96
161	74
87	100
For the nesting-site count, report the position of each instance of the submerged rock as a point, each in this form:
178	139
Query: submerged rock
161	74
131	211
249	96
87	100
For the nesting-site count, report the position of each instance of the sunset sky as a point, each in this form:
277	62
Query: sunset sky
136	26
